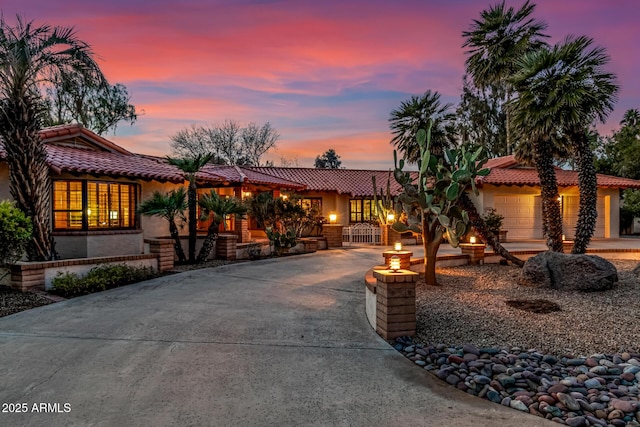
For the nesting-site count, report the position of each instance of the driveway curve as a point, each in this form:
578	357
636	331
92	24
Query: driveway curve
268	343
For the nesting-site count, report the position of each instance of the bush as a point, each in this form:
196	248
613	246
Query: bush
100	278
493	220
15	233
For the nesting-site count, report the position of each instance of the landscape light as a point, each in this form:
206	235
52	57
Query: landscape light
394	263
397	246
472	240
333	218
390	217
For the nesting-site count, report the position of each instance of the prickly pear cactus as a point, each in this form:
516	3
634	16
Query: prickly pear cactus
431	202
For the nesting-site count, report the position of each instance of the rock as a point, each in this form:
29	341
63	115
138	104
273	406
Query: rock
494	396
517	404
452	379
567	271
569	402
595	421
558	388
506	380
615	414
499	369
592	383
455	359
481	379
469	357
624	405
599	370
468	348
575	362
551	360
576	421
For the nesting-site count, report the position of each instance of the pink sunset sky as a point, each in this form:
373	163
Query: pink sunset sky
326	74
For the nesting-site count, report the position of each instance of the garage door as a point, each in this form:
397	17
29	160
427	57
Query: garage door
570	207
522	215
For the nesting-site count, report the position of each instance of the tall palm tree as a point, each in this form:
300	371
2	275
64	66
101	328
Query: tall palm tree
631	118
414	114
31	57
190	167
217	209
170	206
567	90
495	42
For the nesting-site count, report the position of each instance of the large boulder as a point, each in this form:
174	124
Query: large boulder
567	271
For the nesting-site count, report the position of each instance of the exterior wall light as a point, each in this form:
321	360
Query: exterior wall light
394	263
564	237
397	246
472	240
390	217
333	218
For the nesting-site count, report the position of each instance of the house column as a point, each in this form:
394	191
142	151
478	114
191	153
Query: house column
226	246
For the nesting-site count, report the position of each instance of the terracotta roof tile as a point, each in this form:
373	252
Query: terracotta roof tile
513	174
243	174
74	160
354	182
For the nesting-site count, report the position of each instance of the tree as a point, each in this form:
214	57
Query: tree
328	160
32	57
416	113
432	205
230	143
496	41
562	91
96	107
217	209
480	119
621	155
191	166
170	206
15	233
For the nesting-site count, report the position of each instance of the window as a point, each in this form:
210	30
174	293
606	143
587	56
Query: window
362	210
312	204
94	205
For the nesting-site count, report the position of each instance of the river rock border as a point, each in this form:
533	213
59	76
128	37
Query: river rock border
601	390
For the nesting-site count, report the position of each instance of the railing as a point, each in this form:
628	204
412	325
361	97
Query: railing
362	233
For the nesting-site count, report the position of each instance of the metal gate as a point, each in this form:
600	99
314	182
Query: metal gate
362	233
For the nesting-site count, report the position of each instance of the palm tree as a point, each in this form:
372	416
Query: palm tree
563	90
170	206
217	209
414	114
631	118
32	57
495	42
191	166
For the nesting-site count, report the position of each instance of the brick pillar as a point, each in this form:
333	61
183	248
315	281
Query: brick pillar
333	234
384	235
405	258
475	252
394	236
163	249
395	303
242	230
226	246
27	276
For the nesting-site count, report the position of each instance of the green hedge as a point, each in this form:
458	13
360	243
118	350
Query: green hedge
99	278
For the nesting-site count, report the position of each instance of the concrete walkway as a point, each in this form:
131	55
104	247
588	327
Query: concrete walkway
270	343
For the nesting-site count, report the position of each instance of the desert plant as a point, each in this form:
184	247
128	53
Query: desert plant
493	220
431	206
170	206
216	208
384	202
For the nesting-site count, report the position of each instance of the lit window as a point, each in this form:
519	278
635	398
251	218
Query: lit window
93	205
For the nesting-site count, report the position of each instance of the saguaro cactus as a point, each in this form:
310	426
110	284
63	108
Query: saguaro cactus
431	204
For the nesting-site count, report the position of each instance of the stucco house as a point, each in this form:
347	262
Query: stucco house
98	185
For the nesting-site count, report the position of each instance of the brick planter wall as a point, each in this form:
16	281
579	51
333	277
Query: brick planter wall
226	246
333	234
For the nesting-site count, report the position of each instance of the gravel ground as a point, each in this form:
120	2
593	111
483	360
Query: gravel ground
12	301
469	307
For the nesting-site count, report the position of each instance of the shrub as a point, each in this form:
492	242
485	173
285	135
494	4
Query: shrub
493	220
15	233
99	278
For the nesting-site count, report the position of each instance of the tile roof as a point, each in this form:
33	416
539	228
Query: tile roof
354	182
74	160
245	175
507	171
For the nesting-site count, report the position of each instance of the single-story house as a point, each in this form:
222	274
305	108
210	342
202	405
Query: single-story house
98	186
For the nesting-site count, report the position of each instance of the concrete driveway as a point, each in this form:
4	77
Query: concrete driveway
268	343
